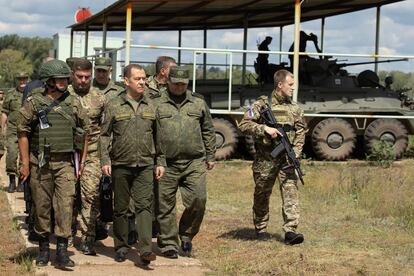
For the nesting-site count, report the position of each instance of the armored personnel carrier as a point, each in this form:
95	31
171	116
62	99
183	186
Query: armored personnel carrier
368	111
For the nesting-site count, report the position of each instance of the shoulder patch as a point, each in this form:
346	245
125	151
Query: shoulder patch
198	95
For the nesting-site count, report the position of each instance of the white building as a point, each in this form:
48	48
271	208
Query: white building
61	47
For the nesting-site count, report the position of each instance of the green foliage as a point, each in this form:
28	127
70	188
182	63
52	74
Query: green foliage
401	79
410	148
12	62
35	49
382	154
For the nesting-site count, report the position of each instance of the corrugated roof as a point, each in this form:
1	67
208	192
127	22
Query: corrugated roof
216	14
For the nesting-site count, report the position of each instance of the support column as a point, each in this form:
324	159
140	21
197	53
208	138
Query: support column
280	42
322	32
296	51
377	37
104	33
128	34
245	27
179	45
86	42
205	55
71	43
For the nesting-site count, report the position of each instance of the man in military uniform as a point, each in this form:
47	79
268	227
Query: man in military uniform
102	80
265	168
10	110
189	138
130	147
93	101
51	127
158	82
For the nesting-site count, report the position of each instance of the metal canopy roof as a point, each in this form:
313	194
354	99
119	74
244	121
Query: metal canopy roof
216	14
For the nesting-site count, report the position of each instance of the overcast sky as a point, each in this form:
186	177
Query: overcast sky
350	33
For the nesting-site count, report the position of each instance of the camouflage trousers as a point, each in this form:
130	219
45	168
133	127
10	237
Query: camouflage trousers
12	153
89	192
264	174
53	186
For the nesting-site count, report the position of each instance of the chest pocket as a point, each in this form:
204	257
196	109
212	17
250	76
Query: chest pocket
165	115
194	113
122	117
283	116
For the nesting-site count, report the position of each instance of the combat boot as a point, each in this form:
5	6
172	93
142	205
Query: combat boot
20	186
187	248
44	252
12	184
88	246
62	257
292	238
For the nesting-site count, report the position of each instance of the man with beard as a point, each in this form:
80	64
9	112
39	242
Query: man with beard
93	101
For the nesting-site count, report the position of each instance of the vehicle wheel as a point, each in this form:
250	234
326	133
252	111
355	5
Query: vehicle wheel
333	139
390	130
226	138
249	141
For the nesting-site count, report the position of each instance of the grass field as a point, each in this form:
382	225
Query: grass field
12	258
357	219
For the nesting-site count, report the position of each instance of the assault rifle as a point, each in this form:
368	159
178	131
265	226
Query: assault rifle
284	146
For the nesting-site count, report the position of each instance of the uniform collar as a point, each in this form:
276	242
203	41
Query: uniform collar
279	99
188	97
125	99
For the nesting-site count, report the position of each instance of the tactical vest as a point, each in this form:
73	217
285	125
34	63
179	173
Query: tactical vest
60	133
284	116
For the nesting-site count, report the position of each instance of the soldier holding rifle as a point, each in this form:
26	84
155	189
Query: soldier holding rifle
265	167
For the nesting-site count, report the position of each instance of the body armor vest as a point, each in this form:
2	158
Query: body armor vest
60	133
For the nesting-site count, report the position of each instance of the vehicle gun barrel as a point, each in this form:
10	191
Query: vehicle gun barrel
340	65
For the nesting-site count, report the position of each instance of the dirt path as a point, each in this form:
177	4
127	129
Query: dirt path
103	263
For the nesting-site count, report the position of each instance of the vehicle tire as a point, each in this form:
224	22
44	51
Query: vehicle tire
249	142
226	138
388	130
333	139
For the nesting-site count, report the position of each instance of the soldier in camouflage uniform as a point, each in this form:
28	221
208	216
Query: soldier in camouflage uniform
130	147
56	123
102	80
93	101
158	83
10	110
265	168
189	138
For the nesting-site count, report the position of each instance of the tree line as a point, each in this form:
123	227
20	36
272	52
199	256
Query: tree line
21	54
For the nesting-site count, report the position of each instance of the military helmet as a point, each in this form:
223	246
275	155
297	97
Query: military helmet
22	75
54	69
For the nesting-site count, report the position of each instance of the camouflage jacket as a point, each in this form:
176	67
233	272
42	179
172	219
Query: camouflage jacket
93	102
27	119
187	130
11	106
128	137
154	87
110	91
286	112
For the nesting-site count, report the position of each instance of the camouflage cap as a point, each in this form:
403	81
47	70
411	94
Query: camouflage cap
179	74
70	61
103	63
22	75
